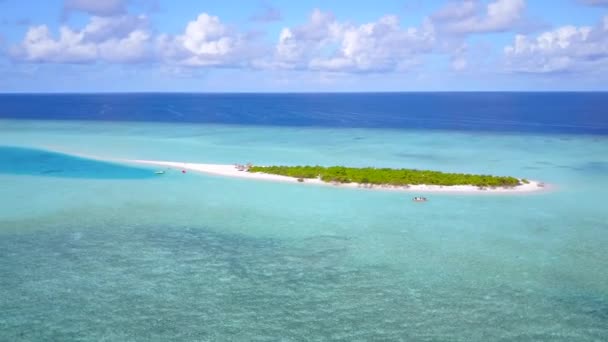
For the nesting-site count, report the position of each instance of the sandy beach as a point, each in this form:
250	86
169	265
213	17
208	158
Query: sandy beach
228	170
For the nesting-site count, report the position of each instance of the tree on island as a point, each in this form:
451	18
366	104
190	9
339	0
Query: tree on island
386	176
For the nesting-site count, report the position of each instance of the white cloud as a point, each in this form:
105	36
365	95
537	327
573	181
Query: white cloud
568	48
470	16
458	60
131	48
328	45
458	19
322	43
458	63
113	39
297	46
96	7
103	28
206	41
39	46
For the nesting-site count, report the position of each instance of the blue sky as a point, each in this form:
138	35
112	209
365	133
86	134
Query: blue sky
276	46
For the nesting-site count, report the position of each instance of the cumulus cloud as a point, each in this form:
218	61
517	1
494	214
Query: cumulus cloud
39	46
113	39
470	16
206	41
325	44
101	8
296	46
568	48
105	28
322	43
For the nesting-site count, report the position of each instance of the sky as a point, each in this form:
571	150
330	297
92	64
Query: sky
303	46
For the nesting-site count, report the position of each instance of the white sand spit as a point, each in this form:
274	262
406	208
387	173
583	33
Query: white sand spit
232	171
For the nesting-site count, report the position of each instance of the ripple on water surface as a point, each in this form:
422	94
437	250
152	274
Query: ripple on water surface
180	283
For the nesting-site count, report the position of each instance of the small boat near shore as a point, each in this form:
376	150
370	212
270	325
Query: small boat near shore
159	172
419	199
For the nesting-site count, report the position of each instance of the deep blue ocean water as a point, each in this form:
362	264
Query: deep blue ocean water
576	113
92	250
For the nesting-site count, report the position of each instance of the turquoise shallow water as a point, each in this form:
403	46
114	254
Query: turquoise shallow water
196	257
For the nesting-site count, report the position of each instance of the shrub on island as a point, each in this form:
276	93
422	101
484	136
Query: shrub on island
386	176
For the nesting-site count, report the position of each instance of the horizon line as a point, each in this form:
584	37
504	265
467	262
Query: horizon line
290	92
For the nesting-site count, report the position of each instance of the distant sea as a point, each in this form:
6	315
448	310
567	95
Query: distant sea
93	250
577	113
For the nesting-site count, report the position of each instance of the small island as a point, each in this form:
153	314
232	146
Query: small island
387	176
364	178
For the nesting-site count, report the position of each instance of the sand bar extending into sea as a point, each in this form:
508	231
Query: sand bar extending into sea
232	171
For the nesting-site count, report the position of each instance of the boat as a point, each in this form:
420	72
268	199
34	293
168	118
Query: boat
419	199
159	172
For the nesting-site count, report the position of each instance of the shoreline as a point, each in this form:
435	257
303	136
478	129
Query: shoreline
228	170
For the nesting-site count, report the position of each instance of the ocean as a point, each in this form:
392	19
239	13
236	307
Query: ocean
103	251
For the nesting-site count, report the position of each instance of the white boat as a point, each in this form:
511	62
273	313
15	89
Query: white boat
159	172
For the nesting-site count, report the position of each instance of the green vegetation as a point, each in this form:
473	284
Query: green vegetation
385	176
